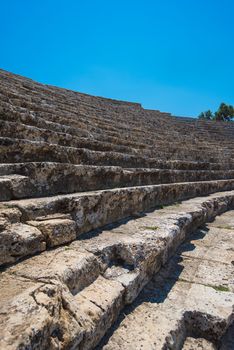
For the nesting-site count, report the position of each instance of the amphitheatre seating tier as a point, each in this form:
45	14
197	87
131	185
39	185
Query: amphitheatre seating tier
78	290
96	195
22	180
191	322
23	221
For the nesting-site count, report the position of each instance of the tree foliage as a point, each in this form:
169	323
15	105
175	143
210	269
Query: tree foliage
206	115
224	113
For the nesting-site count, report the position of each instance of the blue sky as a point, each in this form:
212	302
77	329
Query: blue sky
172	55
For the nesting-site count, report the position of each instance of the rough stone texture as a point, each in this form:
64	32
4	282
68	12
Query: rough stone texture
189	303
43	179
20	240
56	231
71	295
91	211
197	343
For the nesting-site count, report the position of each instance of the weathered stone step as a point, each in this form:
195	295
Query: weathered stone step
99	118
162	139
25	98
20	235
16	83
25	180
121	135
139	129
189	303
21	100
35	133
32	133
129	144
69	97
15	150
13	186
69	297
55	121
64	137
30	118
41	123
95	134
31	124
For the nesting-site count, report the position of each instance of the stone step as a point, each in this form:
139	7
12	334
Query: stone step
15	150
192	296
97	116
25	100
109	106
120	137
13	186
66	137
7	99
98	131
70	296
50	96
21	235
24	180
166	140
68	98
41	123
31	118
33	133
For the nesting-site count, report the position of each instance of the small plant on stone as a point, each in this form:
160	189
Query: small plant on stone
152	228
221	288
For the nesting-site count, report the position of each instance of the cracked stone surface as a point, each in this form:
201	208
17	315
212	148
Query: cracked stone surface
55	220
189	304
96	196
197	343
70	296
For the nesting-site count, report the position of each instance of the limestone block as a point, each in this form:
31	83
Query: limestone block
20	240
56	231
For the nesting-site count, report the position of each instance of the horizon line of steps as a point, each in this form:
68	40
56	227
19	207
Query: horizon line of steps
137	109
69	94
69	297
86	121
93	99
38	105
34	120
30	86
92	108
29	226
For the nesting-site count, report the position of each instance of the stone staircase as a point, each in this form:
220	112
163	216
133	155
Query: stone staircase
200	278
95	196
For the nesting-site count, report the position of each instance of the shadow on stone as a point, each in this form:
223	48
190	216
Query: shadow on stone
157	290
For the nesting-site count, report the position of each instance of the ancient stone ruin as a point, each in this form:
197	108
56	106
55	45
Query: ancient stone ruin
116	224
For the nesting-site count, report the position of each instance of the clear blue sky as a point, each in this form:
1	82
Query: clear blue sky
173	55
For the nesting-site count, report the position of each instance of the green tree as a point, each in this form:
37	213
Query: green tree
225	112
208	115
